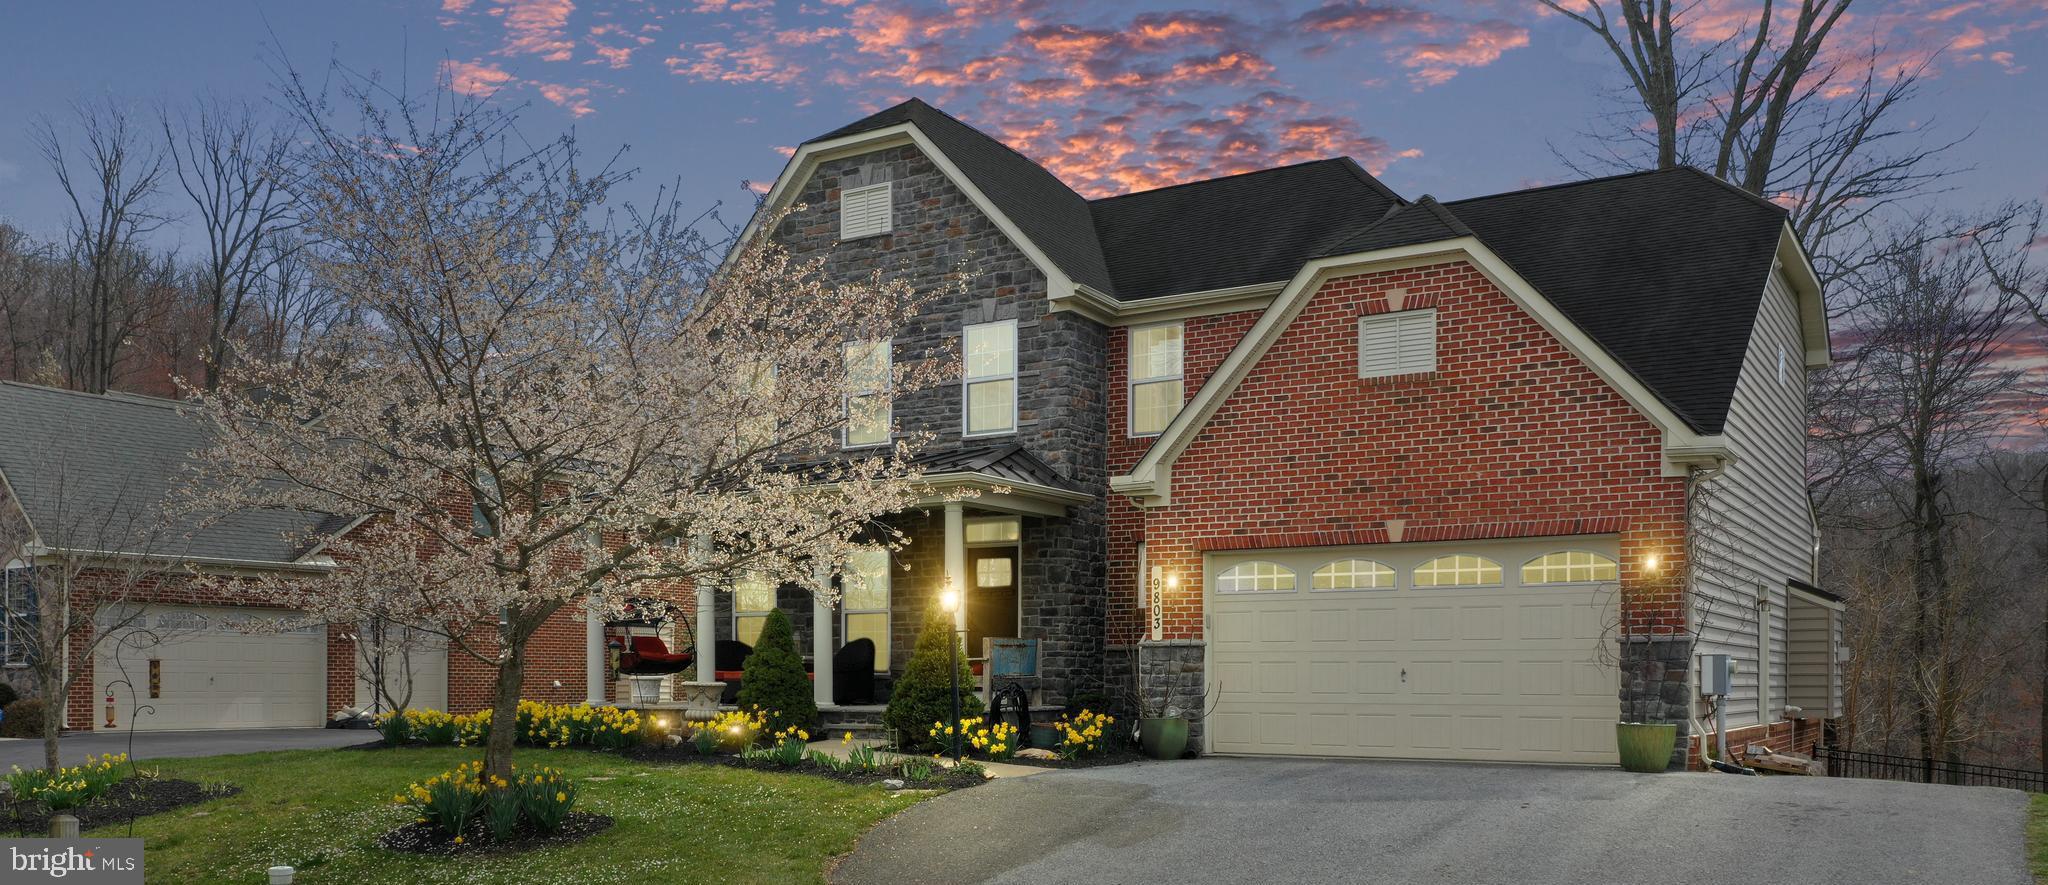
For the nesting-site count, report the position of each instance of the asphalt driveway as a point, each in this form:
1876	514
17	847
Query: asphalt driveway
1275	820
163	744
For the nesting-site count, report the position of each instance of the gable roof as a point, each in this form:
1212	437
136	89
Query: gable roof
96	472
1002	461
1665	270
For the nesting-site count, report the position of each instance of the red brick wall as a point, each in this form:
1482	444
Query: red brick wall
1512	436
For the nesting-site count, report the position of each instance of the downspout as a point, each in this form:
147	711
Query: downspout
1693	479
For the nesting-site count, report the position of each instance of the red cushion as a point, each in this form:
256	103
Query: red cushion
649	645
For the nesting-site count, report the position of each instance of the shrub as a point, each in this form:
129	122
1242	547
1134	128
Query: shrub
925	693
23	719
775	680
8	695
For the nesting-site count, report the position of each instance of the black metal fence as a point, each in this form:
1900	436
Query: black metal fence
1927	770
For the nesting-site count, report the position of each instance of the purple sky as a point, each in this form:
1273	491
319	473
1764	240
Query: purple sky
1454	99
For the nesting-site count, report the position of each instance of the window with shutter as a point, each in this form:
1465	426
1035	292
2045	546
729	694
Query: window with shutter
865	211
1401	343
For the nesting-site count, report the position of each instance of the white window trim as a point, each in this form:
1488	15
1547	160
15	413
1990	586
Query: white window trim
1016	362
848	194
1393	323
1132	381
887	392
11	620
882	655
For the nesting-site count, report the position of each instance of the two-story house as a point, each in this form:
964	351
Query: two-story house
1338	471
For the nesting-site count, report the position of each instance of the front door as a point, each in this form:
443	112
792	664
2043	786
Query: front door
992	599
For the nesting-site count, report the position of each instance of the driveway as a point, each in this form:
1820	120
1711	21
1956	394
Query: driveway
162	744
1277	820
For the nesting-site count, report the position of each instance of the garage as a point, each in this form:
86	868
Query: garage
415	671
199	669
1486	651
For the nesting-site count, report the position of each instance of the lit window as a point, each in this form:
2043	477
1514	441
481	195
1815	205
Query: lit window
1353	574
989	352
867	393
992	572
866	211
1569	567
864	602
992	531
1400	343
752	599
1459	570
1256	577
1156	383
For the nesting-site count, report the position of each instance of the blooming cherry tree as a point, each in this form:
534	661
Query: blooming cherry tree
544	401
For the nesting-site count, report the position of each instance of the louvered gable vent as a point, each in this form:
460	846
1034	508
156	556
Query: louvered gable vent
1400	343
865	211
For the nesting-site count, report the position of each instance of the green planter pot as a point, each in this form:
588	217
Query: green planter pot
1645	746
1045	737
1163	738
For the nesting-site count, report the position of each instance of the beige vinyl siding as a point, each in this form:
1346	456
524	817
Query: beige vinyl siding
1764	531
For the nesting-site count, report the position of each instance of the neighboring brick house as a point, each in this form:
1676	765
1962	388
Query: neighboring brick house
1349	473
90	477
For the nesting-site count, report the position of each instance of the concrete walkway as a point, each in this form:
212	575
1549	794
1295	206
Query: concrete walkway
1312	821
167	744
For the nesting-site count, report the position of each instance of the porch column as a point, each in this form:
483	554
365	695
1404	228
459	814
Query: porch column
594	687
956	560
707	615
821	637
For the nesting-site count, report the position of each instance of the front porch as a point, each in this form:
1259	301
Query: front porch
995	521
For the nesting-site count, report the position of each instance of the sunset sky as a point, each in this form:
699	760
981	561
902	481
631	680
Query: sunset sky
1454	99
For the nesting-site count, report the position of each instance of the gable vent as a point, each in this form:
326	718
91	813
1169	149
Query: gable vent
865	211
1400	343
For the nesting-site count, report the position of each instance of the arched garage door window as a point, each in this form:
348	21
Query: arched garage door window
1256	577
1569	567
1458	570
1353	574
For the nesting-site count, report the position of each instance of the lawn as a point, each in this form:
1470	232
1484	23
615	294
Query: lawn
322	810
2037	837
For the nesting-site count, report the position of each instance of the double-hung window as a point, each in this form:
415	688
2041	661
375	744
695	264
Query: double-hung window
864	601
1156	385
752	599
989	379
1399	343
867	393
18	619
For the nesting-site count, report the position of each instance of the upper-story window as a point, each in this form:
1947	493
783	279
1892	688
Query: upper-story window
483	514
752	599
1156	381
866	211
868	408
1399	343
989	378
18	614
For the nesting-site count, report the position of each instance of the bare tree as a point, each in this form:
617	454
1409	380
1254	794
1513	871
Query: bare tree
27	314
110	172
233	165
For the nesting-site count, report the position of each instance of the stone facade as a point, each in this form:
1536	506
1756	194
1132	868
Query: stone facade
1061	383
1656	685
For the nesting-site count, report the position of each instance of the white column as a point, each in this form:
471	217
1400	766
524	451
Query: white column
594	687
821	637
707	617
956	560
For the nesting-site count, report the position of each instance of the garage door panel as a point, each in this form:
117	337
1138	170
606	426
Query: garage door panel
213	674
1507	672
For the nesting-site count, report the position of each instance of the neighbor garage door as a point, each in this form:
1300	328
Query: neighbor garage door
213	674
1490	651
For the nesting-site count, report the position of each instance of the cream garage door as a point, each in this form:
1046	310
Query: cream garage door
1489	651
211	673
419	663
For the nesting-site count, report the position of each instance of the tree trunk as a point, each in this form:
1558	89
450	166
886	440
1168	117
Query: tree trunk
51	684
505	705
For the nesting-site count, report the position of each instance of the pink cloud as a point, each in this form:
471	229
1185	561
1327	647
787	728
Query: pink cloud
574	99
751	63
475	77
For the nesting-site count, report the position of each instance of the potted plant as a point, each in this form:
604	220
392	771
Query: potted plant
1642	745
1163	725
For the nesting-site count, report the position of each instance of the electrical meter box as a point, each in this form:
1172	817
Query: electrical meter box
1717	675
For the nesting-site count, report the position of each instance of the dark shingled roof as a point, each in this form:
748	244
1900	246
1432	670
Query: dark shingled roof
1241	230
1664	270
1005	461
97	472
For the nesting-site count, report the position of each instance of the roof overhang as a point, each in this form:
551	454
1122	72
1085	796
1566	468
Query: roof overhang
805	162
997	493
1812	595
174	562
1149	481
1806	290
1165	308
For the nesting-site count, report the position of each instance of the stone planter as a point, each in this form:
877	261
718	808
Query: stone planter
1163	738
699	699
1645	746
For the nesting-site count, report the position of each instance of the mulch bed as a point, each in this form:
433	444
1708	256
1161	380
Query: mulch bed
425	838
127	800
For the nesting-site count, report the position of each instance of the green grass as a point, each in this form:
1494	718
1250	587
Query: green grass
322	810
2037	837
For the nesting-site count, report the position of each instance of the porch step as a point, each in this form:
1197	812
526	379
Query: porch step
866	724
